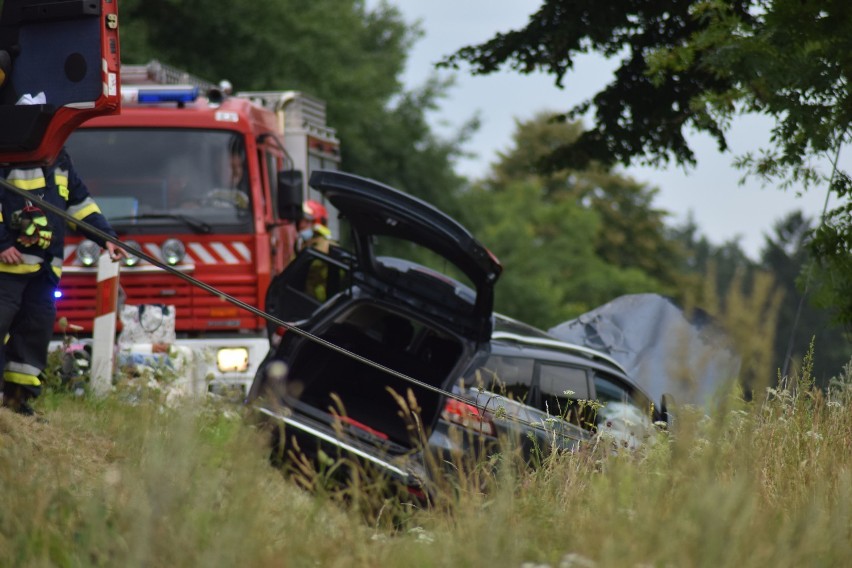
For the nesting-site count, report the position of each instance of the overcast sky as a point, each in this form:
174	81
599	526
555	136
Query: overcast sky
722	208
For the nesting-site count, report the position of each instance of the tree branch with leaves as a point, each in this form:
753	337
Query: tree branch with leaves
696	65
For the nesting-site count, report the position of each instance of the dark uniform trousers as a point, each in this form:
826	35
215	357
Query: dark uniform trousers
27	306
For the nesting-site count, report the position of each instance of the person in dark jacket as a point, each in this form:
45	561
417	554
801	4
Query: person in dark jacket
31	254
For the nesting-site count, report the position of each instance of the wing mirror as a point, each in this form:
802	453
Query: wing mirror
290	192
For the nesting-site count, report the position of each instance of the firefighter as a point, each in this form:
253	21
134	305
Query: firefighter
31	254
314	233
313	227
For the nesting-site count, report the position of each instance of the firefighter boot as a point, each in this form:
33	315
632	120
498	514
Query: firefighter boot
17	398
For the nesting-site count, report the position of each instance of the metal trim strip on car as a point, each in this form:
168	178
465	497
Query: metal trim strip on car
542	342
332	440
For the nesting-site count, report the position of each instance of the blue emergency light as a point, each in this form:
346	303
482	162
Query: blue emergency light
168	95
57	293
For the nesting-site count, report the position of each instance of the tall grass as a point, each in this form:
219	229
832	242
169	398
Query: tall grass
763	482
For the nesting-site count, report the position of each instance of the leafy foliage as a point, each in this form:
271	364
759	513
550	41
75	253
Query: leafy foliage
749	296
786	253
637	114
696	65
340	51
571	239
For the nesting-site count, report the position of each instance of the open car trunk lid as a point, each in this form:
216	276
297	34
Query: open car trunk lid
374	209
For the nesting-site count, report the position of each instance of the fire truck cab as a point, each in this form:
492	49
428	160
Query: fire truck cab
209	183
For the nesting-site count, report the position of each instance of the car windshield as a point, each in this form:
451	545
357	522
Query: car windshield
147	178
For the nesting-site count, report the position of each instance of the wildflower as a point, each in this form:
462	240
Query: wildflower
421	535
574	560
112	476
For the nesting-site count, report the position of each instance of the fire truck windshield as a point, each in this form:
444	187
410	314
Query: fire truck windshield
148	179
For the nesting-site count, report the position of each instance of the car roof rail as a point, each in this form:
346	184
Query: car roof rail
560	345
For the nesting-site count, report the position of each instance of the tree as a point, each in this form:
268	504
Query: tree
719	267
784	255
744	299
570	240
336	50
776	290
695	65
552	272
631	232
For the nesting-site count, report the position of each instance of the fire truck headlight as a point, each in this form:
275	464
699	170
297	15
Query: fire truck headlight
132	259
173	251
88	252
230	359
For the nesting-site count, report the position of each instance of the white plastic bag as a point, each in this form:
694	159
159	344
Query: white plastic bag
147	323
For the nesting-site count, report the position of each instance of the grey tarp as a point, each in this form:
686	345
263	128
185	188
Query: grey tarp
664	349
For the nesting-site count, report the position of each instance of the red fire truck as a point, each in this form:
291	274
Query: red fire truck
202	180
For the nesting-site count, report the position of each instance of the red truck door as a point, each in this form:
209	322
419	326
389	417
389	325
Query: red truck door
66	49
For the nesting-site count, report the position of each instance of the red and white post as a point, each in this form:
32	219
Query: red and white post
103	334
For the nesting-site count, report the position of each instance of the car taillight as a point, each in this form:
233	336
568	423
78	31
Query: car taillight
418	493
364	427
467	416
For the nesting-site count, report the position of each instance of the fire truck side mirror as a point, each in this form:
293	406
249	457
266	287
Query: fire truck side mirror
66	49
290	191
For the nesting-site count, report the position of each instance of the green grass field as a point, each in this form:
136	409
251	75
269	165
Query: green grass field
108	483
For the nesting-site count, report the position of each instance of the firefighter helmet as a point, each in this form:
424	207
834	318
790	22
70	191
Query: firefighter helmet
315	211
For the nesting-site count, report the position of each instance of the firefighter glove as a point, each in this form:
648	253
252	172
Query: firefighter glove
35	229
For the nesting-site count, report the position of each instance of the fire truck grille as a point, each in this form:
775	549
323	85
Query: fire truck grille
196	310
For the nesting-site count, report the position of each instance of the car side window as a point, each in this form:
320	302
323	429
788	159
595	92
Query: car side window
626	412
507	376
607	389
616	395
561	387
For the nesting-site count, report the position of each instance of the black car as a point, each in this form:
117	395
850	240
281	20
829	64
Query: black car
406	361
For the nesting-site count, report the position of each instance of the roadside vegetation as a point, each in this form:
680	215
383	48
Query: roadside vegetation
109	482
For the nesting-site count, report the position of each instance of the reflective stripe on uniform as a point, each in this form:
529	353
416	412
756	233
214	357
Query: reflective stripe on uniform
56	266
19	268
31	263
84	209
20	378
60	177
28	179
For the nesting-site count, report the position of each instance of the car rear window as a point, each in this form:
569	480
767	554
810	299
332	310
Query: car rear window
507	376
561	386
